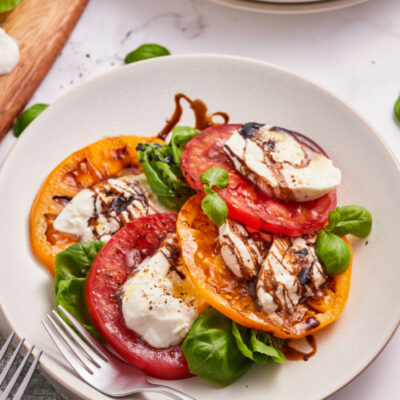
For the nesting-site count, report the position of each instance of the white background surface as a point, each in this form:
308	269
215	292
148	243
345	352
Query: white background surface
352	52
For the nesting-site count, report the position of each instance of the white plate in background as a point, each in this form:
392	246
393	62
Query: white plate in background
303	7
137	99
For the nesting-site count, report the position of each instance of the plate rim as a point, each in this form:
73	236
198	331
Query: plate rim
47	370
270	7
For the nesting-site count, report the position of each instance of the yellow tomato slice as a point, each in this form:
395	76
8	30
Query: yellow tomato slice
98	161
220	288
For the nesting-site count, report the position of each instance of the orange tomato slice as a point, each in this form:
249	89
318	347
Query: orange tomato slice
98	161
220	288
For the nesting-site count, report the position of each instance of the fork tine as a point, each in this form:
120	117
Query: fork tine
5	345
75	350
66	352
17	373
79	342
94	343
27	378
10	361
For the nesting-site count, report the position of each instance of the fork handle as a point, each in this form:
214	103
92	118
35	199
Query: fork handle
172	393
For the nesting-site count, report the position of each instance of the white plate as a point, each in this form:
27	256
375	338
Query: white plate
289	1
295	7
136	100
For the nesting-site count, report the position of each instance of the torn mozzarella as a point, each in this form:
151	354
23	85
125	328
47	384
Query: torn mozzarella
289	274
9	53
98	212
280	165
241	251
158	301
74	217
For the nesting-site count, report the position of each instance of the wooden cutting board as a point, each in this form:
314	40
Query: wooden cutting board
41	28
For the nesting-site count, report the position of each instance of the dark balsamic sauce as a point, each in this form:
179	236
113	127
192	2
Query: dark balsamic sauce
304	276
250	129
311	323
203	119
251	287
63	200
293	354
302	139
120	204
301	253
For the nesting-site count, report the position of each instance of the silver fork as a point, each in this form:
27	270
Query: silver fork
17	373
98	366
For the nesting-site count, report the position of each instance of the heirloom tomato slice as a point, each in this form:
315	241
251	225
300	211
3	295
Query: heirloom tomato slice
100	160
111	268
245	202
198	237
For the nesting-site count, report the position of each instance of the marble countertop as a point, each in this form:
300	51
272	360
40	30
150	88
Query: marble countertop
353	52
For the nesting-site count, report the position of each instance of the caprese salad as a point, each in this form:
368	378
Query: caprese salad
203	255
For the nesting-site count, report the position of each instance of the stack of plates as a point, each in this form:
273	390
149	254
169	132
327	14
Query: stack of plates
288	6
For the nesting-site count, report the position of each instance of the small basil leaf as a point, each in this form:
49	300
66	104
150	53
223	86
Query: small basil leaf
263	347
257	346
208	190
333	252
215	176
164	175
397	109
242	337
279	344
215	208
146	51
27	117
7	5
169	171
354	220
167	175
181	136
165	155
156	183
210	349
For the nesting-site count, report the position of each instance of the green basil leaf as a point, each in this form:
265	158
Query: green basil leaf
242	337
215	176
397	109
7	5
181	136
27	117
168	170
167	175
215	208
211	351
257	346
334	218
75	261
146	51
177	200
71	296
263	345
71	267
333	252
146	159
354	220
164	175
208	190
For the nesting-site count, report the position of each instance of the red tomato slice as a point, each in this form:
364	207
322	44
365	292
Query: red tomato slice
245	202
111	268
